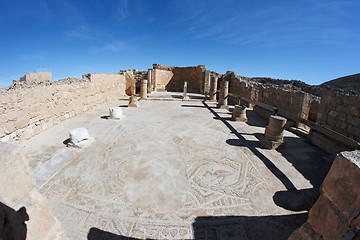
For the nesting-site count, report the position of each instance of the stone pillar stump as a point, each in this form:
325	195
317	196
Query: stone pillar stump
213	88
274	136
133	102
239	114
143	90
185	96
223	100
115	112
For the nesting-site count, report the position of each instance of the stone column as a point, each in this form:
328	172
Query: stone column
133	102
213	88
143	90
149	80
223	100
239	114
185	96
207	82
274	137
133	86
153	77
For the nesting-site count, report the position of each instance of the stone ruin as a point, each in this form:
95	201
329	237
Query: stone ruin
328	119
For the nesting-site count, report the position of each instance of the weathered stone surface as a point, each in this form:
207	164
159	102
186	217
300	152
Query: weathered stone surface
115	112
133	102
164	165
273	136
18	189
55	103
239	114
326	220
341	185
335	215
78	134
143	89
305	232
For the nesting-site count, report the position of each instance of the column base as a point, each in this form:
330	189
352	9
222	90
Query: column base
270	144
222	106
239	119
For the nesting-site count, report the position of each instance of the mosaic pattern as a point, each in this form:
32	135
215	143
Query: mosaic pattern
154	179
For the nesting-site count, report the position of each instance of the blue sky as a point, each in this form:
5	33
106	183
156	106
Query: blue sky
309	40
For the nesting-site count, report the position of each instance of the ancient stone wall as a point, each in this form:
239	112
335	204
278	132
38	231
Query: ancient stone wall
17	190
194	76
341	113
34	78
161	79
290	100
336	214
296	102
172	78
28	111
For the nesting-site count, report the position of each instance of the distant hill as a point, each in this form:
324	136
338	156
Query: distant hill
349	83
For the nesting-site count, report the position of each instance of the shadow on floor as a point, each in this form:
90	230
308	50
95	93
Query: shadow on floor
309	161
192	106
230	227
254	119
97	234
247	227
267	162
297	200
12	223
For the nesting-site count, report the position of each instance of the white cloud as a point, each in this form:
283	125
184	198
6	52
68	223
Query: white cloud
112	47
122	10
262	24
81	31
33	57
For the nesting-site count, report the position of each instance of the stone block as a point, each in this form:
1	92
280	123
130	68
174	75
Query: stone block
355	111
239	114
9	127
326	220
269	144
78	134
305	232
331	121
356	121
133	102
115	113
341	185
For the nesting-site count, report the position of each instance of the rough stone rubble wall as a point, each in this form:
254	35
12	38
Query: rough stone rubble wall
336	213
341	113
172	78
293	101
29	111
34	78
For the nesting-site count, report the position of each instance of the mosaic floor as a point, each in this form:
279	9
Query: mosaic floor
170	170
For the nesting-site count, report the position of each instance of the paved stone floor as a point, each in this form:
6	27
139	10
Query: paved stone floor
175	170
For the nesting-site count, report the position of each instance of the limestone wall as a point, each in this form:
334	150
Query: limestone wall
296	102
172	78
17	190
341	113
34	78
28	111
290	100
162	78
336	214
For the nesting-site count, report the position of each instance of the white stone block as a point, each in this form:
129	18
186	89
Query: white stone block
78	134
115	113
